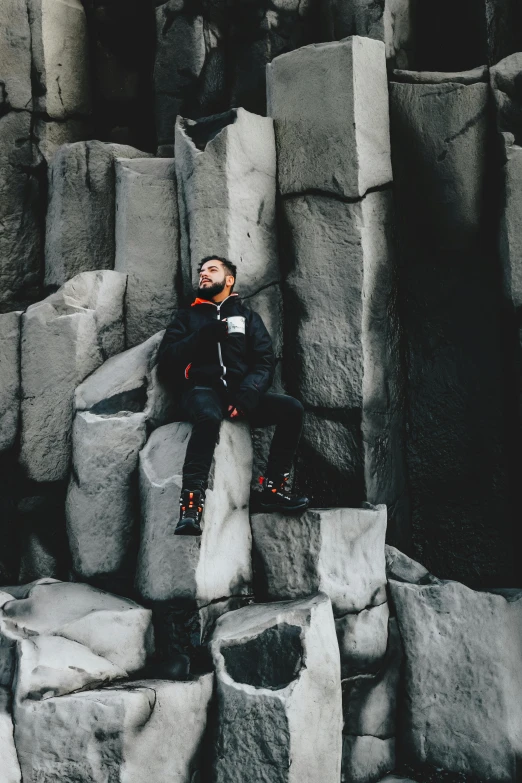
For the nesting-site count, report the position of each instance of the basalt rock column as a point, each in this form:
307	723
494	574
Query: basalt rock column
45	96
450	313
278	693
189	69
10	765
64	338
341	335
194	580
82	198
462	661
9	378
147	243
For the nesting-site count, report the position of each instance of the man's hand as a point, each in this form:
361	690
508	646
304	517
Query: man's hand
235	413
214	331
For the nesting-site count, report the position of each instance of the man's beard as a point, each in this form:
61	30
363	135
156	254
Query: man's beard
210	291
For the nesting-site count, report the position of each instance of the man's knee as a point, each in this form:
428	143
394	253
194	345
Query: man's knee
210	415
294	407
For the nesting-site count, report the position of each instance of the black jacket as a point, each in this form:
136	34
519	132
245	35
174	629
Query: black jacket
244	363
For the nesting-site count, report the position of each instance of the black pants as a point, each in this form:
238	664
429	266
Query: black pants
206	408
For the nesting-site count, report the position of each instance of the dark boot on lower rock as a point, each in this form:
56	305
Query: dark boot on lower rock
275	495
191	504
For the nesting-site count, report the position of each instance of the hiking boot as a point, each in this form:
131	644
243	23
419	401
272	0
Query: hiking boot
275	495
191	505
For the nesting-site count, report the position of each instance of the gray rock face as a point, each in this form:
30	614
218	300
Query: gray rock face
391	21
332	103
49	666
64	338
277	666
192	570
439	143
60	57
128	382
10	766
338	551
363	640
366	759
15	54
101	508
20	240
189	68
461	651
402	568
147	243
511	224
140	730
82	197
110	627
9	378
504	79
226	169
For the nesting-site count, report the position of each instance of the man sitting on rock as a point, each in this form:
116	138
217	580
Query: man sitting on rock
221	353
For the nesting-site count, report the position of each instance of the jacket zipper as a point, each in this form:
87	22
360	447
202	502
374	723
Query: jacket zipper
220	355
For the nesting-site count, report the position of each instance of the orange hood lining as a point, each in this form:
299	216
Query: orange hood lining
198	300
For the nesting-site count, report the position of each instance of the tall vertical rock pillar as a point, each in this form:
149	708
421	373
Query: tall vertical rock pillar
450	308
341	341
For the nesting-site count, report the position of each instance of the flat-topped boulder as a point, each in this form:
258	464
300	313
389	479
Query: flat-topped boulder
332	128
462	661
64	338
279	701
110	627
147	243
101	508
226	173
339	551
143	730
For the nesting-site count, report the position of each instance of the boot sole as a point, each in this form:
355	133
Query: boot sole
187	530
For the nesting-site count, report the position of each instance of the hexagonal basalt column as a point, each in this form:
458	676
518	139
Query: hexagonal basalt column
279	693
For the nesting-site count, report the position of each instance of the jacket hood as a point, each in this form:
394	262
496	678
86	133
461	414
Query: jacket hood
198	300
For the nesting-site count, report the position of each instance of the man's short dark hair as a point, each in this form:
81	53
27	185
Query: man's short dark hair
230	268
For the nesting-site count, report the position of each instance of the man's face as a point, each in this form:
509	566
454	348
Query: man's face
213	279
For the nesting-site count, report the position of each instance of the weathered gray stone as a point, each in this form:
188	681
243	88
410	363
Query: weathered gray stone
363	639
505	78
443	127
49	666
128	382
147	243
269	304
459	461
148	729
195	570
10	770
226	173
462	662
277	667
511	223
64	338
101	508
403	569
9	378
82	197
20	240
366	759
59	57
15	55
339	551
189	70
480	74
370	700
332	103
111	627
50	135
390	21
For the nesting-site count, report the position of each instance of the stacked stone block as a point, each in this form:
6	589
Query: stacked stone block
449	280
337	219
147	244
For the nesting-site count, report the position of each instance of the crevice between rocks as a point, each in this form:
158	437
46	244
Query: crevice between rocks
336	196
